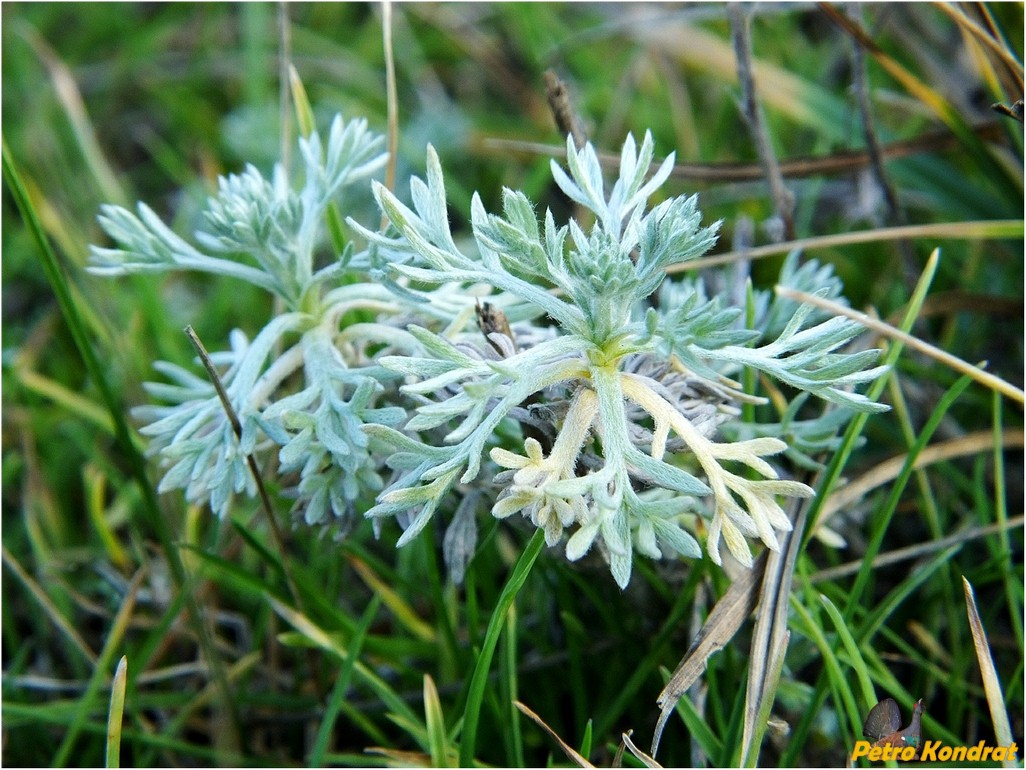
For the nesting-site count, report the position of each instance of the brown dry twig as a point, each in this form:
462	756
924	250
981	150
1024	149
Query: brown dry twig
573	755
783	199
567	119
801	167
770	635
860	84
725	619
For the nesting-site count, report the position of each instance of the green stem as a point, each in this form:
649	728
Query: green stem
475	696
136	461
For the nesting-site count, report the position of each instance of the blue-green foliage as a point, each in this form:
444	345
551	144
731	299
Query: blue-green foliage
593	408
265	232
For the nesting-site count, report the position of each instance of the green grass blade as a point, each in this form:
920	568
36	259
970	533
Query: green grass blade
438	744
776	665
698	728
67	90
62	291
35	590
155	519
479	679
868	692
1013	587
226	572
881	525
89	701
215	757
855	427
586	740
338	693
902	591
116	713
835	676
399	607
73	402
314	634
509	686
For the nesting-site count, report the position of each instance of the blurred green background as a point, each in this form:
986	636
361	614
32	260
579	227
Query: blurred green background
137	101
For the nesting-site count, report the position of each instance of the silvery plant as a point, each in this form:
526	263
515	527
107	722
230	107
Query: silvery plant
535	368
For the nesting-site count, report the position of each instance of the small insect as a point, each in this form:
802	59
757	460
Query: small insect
491	320
883	725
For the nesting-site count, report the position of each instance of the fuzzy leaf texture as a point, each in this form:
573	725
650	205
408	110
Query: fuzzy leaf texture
540	369
267	233
599	476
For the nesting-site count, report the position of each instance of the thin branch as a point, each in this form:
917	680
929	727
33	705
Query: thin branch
569	124
981	230
783	199
796	168
860	84
1014	112
567	119
1014	65
915	551
265	498
391	95
954	362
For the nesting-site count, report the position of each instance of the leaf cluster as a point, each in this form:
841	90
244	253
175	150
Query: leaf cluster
399	415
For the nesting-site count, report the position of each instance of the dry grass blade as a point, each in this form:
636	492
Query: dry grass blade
723	622
49	607
888	470
694	48
645	759
995	228
574	757
978	32
991	683
917	550
908	80
984	378
618	756
402	610
769	639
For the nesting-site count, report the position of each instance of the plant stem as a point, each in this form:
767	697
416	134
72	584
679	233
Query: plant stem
475	696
